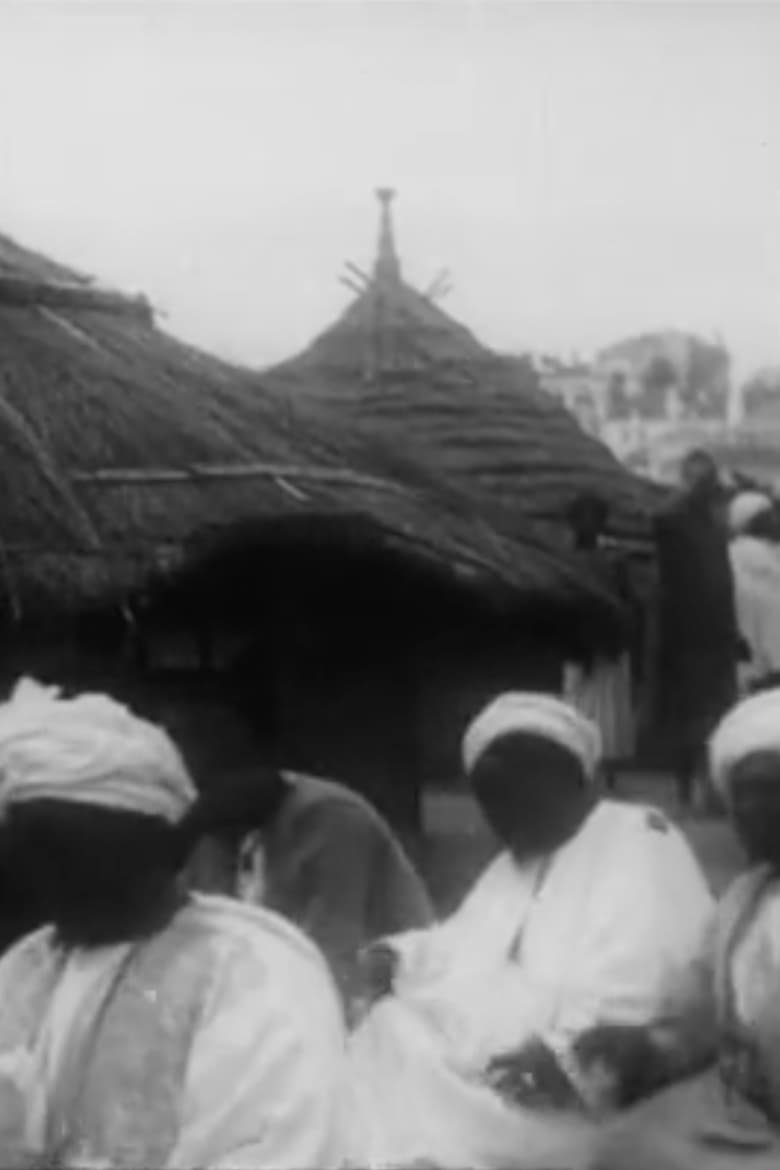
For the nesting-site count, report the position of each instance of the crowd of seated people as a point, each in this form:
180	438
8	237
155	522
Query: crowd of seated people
252	975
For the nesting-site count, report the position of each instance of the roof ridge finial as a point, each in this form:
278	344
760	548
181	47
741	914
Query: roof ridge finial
387	267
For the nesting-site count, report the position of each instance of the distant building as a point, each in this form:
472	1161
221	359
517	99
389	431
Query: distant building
761	394
638	394
667	376
579	387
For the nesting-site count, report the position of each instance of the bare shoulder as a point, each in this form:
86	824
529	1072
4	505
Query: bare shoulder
336	803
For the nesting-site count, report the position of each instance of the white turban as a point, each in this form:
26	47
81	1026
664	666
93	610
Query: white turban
88	750
745	507
542	715
751	726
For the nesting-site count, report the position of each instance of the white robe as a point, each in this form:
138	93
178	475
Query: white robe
601	935
755	980
756	567
260	1078
603	694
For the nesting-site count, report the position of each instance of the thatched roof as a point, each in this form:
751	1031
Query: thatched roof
404	373
125	452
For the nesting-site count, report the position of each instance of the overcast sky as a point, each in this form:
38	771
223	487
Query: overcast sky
584	170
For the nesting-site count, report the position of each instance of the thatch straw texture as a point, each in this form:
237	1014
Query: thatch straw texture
401	372
125	452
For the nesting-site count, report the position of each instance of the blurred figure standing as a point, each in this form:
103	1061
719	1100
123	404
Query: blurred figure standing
755	561
697	635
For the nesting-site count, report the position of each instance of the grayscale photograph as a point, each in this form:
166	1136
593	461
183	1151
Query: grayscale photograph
389	585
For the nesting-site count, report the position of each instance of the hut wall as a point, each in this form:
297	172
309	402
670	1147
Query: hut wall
352	665
460	672
349	713
385	713
87	650
316	644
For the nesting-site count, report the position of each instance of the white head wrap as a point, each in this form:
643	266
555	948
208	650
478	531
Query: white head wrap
542	715
88	750
745	507
751	726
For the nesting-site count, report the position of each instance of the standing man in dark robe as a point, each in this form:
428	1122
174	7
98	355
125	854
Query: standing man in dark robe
697	633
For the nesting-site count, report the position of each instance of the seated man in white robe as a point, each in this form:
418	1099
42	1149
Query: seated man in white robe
496	1038
728	1116
144	1026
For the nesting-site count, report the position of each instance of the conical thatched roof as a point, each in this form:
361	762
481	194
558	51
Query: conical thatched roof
126	451
408	375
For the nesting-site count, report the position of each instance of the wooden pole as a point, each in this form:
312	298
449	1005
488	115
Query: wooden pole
363	278
19	293
155	476
353	286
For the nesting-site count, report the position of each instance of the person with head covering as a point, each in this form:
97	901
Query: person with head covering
749	511
728	1117
311	849
697	643
755	562
143	1026
494	1038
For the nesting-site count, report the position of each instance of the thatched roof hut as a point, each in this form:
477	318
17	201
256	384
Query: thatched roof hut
362	601
407	375
127	453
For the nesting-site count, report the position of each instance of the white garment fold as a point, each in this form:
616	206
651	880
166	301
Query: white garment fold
603	694
266	1081
264	1078
756	567
755	971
